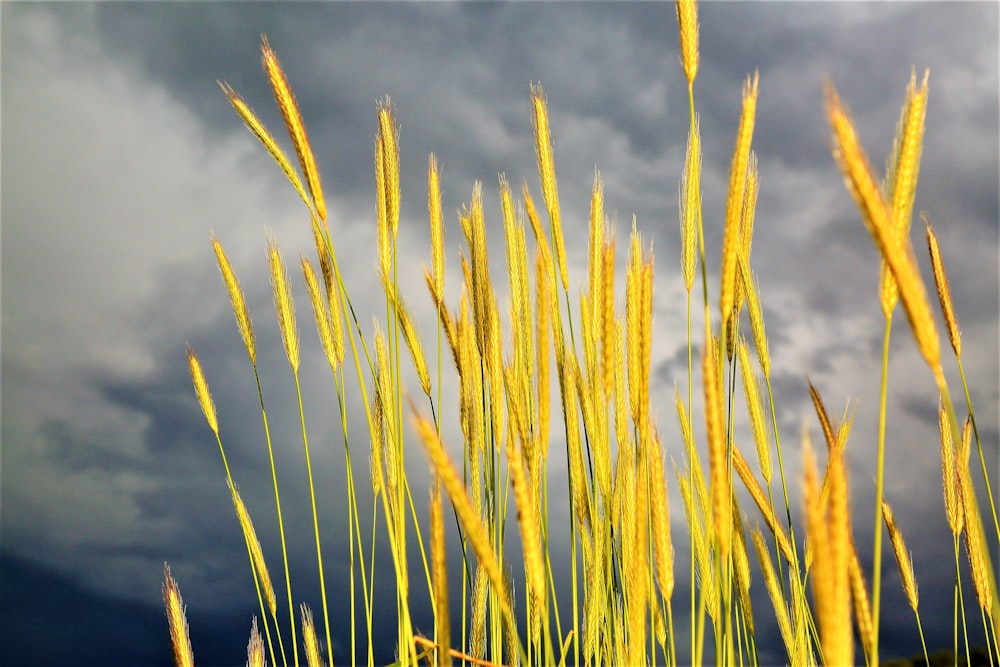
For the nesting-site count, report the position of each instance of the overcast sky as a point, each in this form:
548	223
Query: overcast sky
121	156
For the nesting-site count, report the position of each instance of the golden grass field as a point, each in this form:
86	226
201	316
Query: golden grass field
560	364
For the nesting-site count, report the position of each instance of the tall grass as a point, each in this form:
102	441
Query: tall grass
514	404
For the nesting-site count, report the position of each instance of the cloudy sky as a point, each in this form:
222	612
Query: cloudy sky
121	156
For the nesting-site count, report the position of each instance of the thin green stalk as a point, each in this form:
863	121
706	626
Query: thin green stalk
315	515
281	523
879	479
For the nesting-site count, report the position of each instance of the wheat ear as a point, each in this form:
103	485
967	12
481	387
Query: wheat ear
296	127
283	304
179	638
734	201
687	19
255	647
943	289
313	658
894	247
238	300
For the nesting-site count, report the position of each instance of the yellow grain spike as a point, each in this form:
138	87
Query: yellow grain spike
949	474
381	205
757	326
534	566
313	658
437	224
547	175
691	452
689	202
760	499
829	541
608	316
387	442
638	324
255	647
717	464
332	295
895	248
975	543
266	139
943	289
862	605
773	589
639	566
543	305
903	558
237	299
747	217
179	638
477	640
574	445
741	567
388	131
474	529
256	554
621	393
410	334
283	304
660	517
687	19
321	313
201	390
905	169
755	411
520	294
902	170
734	201
296	128
824	419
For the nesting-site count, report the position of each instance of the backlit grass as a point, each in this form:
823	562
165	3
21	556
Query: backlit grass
559	374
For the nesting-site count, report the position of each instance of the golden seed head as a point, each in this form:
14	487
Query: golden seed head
773	588
949	474
943	289
255	647
862	605
389	133
734	201
296	127
237	299
477	534
760	499
660	517
179	638
689	201
256	553
547	175
756	411
903	559
718	468
284	306
313	658
201	390
320	312
894	247
267	140
381	201
687	19
436	222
